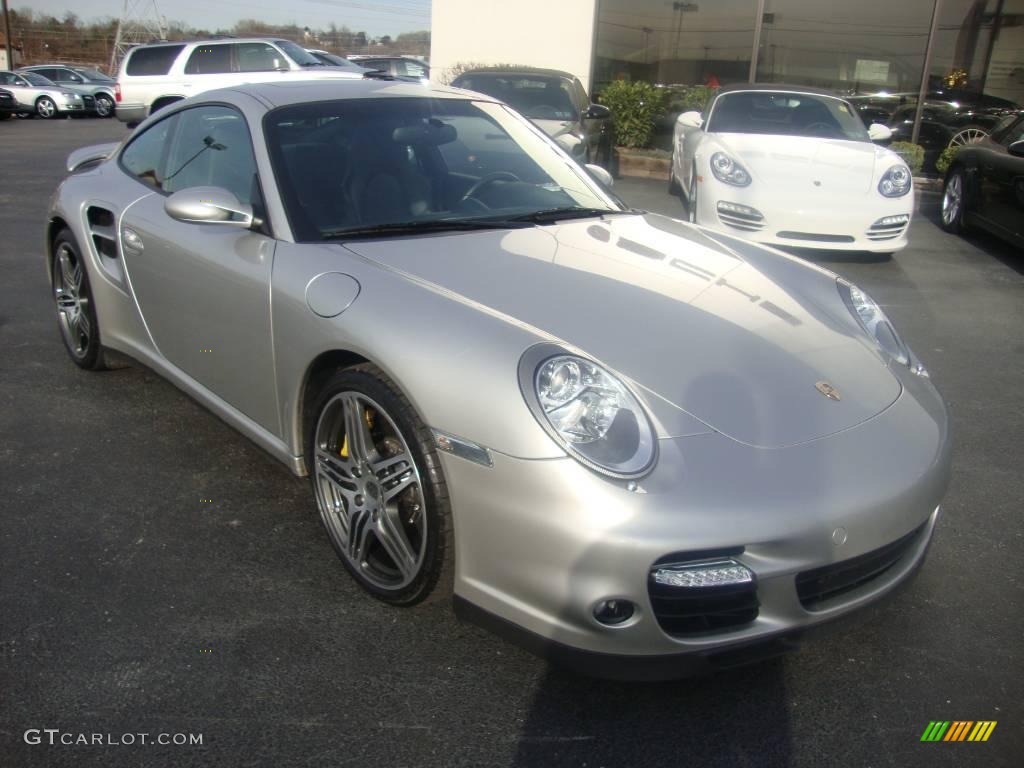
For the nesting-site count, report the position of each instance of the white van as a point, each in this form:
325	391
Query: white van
155	75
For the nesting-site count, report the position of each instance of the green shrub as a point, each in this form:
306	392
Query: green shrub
692	98
946	158
635	106
912	154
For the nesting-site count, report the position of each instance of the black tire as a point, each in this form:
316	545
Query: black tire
82	341
46	108
434	576
5	116
691	203
954	200
104	106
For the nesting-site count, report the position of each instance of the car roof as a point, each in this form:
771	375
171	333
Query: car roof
279	94
517	71
213	40
785	87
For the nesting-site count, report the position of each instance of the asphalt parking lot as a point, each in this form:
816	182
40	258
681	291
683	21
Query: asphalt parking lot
129	604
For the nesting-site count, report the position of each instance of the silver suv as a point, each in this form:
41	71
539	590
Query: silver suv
153	76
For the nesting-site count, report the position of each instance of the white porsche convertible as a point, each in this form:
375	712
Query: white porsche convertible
792	166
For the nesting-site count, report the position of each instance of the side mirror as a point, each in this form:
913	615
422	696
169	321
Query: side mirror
597	112
690	120
572	144
604	177
209	205
879	132
1016	148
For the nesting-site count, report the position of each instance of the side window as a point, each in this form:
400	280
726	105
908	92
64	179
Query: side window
151	61
7	78
211	148
410	68
209	60
259	57
144	157
56	75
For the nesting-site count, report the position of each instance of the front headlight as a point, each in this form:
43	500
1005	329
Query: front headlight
874	322
895	182
588	411
728	170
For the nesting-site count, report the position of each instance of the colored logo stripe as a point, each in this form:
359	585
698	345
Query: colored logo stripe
935	730
958	730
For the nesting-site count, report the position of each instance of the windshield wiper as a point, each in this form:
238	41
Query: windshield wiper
568	212
415	227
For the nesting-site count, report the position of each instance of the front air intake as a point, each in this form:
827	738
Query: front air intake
701	596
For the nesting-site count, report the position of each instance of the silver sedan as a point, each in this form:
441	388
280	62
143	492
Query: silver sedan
632	444
38	96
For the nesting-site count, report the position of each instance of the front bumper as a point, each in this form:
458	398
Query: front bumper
539	543
828	221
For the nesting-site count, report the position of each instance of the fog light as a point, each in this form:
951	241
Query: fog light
739	210
892	221
721	573
613	612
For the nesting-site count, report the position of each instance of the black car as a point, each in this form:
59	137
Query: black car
8	105
984	186
554	101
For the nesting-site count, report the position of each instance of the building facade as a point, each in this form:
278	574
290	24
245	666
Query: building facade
861	47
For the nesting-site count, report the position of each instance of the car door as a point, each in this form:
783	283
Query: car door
203	289
1002	182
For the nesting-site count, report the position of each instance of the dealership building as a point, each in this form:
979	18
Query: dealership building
851	47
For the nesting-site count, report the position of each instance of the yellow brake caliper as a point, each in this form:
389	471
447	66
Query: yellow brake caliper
368	418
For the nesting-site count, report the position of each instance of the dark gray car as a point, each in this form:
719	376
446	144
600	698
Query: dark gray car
554	101
96	88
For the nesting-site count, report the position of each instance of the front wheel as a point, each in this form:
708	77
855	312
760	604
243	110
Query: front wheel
691	204
76	315
673	182
46	108
379	488
953	200
104	106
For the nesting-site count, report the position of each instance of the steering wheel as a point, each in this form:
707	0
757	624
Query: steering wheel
818	129
488	179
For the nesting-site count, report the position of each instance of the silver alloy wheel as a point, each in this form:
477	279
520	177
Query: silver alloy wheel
369	491
967	136
952	199
71	303
104	106
46	107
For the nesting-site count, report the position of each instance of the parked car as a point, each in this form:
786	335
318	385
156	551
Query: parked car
8	104
397	66
333	60
792	166
153	76
97	89
38	96
628	441
984	186
555	101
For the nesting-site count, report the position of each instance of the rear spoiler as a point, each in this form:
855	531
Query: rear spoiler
89	155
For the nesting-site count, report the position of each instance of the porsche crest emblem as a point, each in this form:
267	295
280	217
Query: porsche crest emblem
828	390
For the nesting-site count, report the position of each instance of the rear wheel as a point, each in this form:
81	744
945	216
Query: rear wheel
76	315
379	488
46	108
953	199
970	134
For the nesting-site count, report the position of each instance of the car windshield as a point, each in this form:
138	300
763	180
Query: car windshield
298	54
36	79
331	60
359	165
538	97
786	114
94	74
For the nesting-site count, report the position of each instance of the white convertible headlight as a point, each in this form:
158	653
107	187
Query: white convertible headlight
895	182
728	170
874	322
588	411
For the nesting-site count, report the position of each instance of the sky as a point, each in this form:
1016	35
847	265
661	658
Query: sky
375	17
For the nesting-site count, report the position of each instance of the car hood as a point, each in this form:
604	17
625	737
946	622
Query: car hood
681	316
814	166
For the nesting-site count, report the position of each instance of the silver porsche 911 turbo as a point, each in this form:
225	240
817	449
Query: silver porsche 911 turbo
633	445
